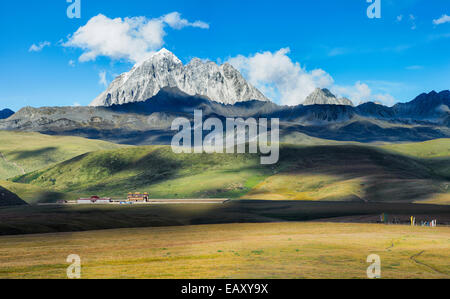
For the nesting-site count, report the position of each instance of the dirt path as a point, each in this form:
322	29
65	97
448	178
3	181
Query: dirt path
390	247
12	163
413	258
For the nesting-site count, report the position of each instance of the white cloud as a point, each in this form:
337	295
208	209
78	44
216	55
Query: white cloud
39	47
278	77
442	20
175	21
72	63
399	18
76	104
102	78
385	99
132	39
361	93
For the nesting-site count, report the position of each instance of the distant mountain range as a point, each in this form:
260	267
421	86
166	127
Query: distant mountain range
223	84
5	113
139	106
148	122
325	97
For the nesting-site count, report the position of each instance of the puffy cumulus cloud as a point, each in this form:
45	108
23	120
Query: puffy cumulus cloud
385	99
361	93
132	39
278	77
39	47
442	20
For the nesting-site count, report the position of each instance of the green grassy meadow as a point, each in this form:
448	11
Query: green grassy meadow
22	152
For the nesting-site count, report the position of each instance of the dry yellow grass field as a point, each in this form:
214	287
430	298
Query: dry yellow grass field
271	250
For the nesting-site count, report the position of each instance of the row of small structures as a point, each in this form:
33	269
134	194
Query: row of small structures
141	198
136	197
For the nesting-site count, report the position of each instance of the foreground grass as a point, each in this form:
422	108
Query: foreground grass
271	250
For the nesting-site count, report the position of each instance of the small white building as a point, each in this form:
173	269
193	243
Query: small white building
94	200
84	201
103	200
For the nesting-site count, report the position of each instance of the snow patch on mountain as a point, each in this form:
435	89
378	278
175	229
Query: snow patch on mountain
223	84
325	97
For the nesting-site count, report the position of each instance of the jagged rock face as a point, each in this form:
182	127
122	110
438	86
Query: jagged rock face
223	84
426	105
325	97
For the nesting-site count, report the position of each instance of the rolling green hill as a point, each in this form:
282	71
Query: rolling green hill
151	168
327	172
22	152
33	194
428	149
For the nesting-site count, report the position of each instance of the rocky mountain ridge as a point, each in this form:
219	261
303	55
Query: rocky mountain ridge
223	84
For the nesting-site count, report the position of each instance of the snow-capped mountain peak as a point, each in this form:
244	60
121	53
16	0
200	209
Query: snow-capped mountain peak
325	97
223	84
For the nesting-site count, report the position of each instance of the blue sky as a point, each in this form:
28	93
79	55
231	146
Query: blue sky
391	59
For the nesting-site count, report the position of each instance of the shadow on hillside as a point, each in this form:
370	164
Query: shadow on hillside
382	176
152	168
120	136
366	132
34	153
47	219
386	177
